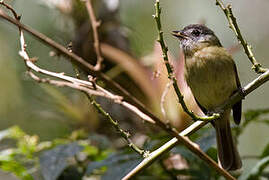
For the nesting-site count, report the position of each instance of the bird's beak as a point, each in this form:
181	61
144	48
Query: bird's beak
179	34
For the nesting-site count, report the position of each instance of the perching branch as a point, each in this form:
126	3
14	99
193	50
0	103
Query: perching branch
170	70
95	24
126	135
74	85
194	127
138	108
153	156
234	26
76	59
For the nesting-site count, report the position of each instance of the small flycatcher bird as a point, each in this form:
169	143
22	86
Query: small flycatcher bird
211	74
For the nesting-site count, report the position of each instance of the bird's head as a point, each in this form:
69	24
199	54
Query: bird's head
195	37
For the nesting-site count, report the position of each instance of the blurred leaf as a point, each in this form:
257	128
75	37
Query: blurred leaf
13	132
207	140
252	115
91	150
256	170
265	151
100	140
27	145
212	152
196	164
54	161
93	166
265	121
118	164
12	159
119	170
184	152
16	168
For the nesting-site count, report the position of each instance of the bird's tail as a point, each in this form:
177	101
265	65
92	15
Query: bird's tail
228	154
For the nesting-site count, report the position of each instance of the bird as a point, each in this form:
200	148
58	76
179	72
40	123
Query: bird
211	74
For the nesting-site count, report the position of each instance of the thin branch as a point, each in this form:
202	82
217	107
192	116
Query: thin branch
170	70
66	84
95	24
185	141
77	83
153	156
234	26
126	135
236	97
16	16
172	131
167	128
150	117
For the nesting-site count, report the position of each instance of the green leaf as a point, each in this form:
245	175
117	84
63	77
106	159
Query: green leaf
256	170
91	150
54	161
28	145
16	168
13	132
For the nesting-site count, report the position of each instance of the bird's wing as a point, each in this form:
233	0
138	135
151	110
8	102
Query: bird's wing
237	107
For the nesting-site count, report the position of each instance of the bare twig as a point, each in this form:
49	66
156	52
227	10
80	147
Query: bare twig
172	77
16	16
170	70
153	156
142	111
73	57
66	84
75	84
234	26
146	116
197	125
137	106
95	24
126	135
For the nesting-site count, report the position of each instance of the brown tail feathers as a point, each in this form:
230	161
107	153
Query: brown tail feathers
228	154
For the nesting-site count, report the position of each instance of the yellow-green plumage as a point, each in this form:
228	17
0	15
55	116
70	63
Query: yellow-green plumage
211	74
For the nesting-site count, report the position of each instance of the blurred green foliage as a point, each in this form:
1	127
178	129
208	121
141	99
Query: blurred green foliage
93	156
59	150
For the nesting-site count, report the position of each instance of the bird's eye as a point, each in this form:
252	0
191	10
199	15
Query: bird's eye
196	32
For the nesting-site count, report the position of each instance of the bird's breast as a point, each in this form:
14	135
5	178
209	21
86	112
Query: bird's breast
211	76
